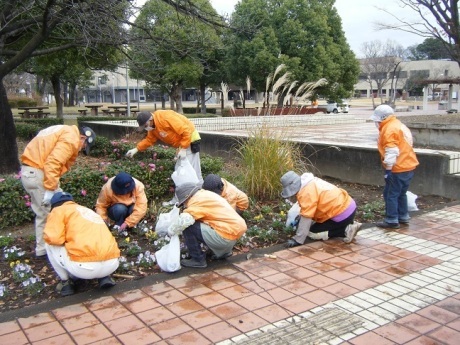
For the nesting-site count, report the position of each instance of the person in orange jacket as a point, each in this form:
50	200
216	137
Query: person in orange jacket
398	161
326	211
47	157
79	244
172	129
123	200
208	219
235	197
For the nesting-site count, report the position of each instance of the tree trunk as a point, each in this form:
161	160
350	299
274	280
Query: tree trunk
65	87
57	96
9	161
178	98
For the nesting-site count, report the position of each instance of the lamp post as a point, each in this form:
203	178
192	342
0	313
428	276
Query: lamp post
128	103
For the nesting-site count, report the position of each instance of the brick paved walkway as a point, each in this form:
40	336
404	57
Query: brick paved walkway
387	287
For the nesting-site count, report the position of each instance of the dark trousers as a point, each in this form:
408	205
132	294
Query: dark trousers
193	239
119	212
335	229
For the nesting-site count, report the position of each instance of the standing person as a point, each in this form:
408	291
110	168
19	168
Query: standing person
326	211
209	219
47	157
79	244
235	197
399	162
123	200
173	129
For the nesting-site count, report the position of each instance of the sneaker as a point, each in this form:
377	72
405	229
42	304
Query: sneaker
404	222
226	255
350	231
65	288
106	282
386	225
291	243
193	263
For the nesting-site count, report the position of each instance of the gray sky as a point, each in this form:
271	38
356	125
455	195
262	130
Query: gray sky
358	18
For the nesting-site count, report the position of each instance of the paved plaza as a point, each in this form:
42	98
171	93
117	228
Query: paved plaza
387	287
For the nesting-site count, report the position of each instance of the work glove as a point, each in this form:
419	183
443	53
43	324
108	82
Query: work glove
387	174
182	154
131	153
180	224
47	198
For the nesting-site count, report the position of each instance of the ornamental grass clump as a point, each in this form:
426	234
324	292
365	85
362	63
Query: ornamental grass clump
265	156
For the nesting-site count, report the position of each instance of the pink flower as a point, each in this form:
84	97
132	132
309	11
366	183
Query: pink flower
28	203
26	197
83	192
2	179
105	178
141	164
17	176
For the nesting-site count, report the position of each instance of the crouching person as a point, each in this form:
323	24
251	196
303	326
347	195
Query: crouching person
326	211
123	200
209	219
78	244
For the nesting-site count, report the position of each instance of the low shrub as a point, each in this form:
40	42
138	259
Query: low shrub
194	110
15	102
14	202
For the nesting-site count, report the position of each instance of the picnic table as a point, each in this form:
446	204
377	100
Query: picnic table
120	110
94	108
36	111
82	111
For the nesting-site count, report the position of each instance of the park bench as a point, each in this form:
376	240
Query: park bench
82	111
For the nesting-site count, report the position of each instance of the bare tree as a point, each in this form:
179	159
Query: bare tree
438	18
380	63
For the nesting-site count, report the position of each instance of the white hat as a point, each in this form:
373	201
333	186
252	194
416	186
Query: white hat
291	184
381	113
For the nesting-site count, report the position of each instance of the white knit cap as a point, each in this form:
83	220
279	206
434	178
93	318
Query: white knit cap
381	113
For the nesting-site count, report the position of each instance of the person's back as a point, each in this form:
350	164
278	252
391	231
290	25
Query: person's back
215	211
82	231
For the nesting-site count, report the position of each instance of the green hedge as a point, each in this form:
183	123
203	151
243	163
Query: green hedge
27	128
22	102
194	111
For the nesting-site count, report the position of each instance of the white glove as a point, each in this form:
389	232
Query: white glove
180	223
47	198
131	153
182	154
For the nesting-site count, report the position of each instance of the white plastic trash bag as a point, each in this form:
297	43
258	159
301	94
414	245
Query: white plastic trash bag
165	220
168	257
184	173
411	205
292	214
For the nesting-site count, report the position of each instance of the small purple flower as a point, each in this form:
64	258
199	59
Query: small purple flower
105	178
28	203
83	192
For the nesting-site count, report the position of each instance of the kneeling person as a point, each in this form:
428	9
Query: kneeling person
209	219
79	244
123	200
326	211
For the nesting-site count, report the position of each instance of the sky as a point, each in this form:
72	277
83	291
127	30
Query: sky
358	21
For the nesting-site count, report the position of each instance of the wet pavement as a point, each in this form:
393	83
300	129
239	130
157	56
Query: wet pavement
386	287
